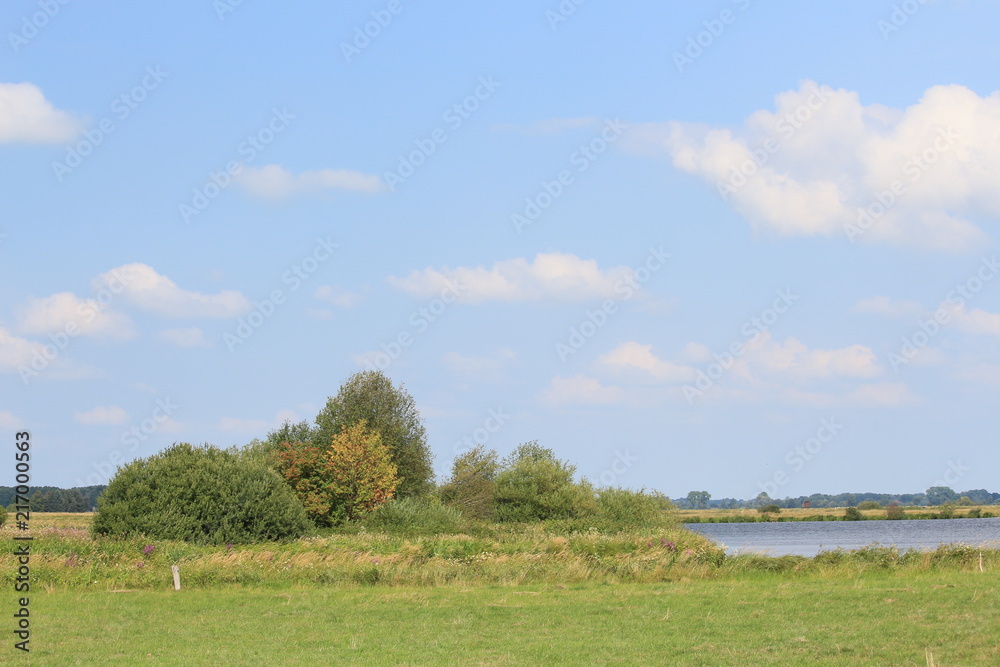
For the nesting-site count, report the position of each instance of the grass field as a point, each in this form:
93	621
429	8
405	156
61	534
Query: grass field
951	618
505	597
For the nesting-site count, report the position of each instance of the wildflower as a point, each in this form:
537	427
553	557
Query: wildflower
148	549
671	546
71	561
229	547
139	565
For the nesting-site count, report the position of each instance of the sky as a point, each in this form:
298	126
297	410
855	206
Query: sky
730	246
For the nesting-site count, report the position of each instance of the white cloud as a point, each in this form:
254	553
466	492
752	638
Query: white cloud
27	117
633	356
9	422
550	126
974	321
73	315
275	182
337	296
794	359
580	390
883	305
189	337
882	394
831	156
15	352
550	276
102	416
143	287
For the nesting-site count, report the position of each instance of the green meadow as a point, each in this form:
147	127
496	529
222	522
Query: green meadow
512	595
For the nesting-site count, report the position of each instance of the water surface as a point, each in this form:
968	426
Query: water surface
807	538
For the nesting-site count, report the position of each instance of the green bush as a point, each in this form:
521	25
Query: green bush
869	505
894	511
619	509
533	485
3	515
770	509
200	494
414	516
853	514
472	485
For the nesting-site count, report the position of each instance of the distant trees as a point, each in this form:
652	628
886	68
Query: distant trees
869	505
939	495
200	494
698	499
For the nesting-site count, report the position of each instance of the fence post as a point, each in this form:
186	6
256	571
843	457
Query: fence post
177	577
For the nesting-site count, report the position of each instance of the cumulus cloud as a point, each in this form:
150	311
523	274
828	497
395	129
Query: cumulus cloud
73	315
275	182
16	352
632	356
821	159
973	321
549	276
102	416
580	390
144	288
794	359
188	337
27	117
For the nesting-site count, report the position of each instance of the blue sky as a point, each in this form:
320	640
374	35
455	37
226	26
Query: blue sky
733	246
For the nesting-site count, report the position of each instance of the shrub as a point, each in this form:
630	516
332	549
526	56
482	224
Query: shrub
894	511
973	514
869	505
947	511
414	515
853	514
769	509
199	494
3	515
472	484
534	485
640	509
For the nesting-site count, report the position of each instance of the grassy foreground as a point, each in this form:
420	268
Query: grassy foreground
913	619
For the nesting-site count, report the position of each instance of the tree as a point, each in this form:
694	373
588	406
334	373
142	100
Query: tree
939	495
533	485
199	494
699	499
472	484
894	511
869	505
390	412
355	474
770	509
853	514
362	474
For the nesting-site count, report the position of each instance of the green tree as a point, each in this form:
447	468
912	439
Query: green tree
894	511
699	499
392	413
869	505
533	485
472	484
199	494
770	509
939	495
853	514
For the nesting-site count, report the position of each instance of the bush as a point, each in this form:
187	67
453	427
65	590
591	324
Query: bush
947	511
894	511
853	514
770	509
415	516
619	509
472	484
200	494
3	515
869	505
534	485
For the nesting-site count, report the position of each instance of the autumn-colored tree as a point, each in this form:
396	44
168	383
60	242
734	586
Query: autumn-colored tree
355	474
361	473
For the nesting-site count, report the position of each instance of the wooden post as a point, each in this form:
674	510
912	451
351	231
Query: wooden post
177	577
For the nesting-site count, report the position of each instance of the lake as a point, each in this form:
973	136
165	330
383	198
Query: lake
807	538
